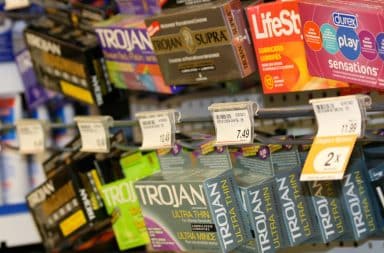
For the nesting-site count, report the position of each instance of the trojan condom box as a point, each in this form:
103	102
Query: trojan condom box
279	47
253	170
204	43
192	210
357	199
67	60
344	40
129	55
121	200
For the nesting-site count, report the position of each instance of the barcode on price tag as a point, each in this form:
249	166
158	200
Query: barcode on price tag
234	122
341	116
31	135
16	4
233	127
94	132
341	121
156	131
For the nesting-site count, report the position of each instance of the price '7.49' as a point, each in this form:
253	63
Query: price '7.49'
243	133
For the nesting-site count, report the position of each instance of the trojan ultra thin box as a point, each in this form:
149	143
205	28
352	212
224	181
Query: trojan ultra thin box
344	40
279	48
192	210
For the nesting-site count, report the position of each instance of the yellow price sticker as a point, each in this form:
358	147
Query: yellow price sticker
328	158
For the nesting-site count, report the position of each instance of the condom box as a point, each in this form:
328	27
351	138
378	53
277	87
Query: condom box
357	201
131	62
69	61
121	200
325	200
192	210
279	47
203	43
258	197
60	209
344	40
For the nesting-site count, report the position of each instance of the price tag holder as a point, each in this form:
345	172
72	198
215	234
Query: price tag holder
341	120
94	133
31	135
234	122
158	128
16	4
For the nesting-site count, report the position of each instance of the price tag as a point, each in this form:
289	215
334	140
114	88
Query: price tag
341	120
32	136
16	4
234	123
94	132
158	129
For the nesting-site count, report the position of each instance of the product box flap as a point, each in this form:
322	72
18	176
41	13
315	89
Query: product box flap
346	4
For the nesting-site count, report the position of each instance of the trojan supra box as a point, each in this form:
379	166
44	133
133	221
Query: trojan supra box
204	43
192	210
344	40
279	47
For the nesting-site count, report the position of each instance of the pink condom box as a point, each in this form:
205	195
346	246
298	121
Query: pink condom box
344	40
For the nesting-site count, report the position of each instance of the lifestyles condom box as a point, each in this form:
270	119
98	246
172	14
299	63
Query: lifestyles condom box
279	48
192	210
128	51
344	40
69	61
202	44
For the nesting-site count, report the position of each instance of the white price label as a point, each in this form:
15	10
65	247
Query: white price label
31	135
94	134
16	4
233	127
340	116
156	131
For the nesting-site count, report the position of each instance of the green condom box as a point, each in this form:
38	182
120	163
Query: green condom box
121	200
192	210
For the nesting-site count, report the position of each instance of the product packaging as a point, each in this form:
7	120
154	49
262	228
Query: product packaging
279	47
60	209
68	61
194	154
121	200
357	199
130	60
202	44
297	215
325	200
139	7
192	210
344	40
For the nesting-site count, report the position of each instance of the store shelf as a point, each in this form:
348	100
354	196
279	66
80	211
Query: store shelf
370	246
17	227
10	79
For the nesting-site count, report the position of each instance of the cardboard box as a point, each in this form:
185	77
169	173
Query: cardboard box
192	210
344	40
202	44
68	61
130	60
279	48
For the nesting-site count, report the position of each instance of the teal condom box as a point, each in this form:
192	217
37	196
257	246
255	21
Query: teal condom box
192	210
325	200
261	207
357	201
